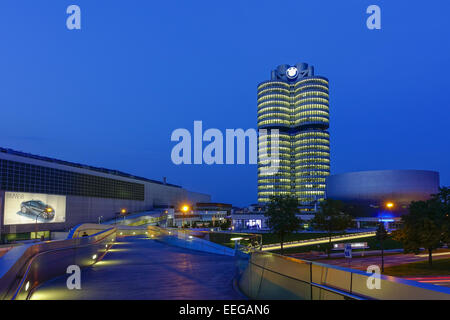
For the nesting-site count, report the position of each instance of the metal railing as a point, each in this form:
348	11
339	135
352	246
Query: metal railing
45	260
263	275
228	239
274	246
138	219
207	241
36	263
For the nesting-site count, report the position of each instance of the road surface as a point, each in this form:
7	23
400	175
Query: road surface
142	268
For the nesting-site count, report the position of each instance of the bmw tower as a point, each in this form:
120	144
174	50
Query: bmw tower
295	102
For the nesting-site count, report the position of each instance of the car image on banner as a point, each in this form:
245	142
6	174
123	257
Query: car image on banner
25	208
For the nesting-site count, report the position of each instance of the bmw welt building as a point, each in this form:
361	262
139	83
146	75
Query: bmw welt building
44	194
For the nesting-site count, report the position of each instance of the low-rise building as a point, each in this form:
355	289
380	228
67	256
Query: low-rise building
42	194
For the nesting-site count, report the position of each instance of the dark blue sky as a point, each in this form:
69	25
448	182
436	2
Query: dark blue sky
111	94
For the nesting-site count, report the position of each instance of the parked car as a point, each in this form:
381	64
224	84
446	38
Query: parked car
38	208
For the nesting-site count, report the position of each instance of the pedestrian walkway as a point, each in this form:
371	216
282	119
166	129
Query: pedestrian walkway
141	268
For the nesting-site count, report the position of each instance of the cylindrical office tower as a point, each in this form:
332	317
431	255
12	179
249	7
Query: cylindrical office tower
274	111
295	102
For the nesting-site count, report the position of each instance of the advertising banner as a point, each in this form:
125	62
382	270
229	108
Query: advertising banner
27	208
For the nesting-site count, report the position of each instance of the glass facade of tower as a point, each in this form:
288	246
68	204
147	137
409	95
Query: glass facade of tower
295	102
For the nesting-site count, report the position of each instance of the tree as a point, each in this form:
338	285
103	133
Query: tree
443	198
331	218
226	224
281	213
425	226
381	236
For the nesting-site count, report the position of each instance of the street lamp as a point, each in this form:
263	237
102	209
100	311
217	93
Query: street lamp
390	205
381	235
184	209
36	228
123	212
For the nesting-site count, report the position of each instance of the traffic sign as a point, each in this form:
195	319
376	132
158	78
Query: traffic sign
348	250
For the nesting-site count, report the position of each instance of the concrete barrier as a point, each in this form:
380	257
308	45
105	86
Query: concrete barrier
24	268
186	239
316	241
90	228
272	276
139	219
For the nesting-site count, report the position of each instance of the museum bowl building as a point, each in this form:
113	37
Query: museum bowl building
382	193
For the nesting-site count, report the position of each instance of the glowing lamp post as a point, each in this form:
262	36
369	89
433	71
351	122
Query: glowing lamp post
382	232
122	212
390	205
184	210
36	228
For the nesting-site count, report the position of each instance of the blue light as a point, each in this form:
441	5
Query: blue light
385	217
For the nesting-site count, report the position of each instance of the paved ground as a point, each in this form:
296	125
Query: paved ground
140	268
437	280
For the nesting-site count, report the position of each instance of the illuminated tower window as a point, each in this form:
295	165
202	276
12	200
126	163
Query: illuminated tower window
296	102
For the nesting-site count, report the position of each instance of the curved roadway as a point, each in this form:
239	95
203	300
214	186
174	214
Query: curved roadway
142	268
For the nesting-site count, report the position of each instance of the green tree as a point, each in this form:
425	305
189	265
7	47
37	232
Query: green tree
443	198
281	213
331	218
226	224
424	226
